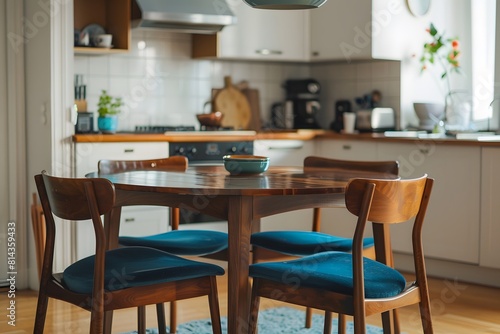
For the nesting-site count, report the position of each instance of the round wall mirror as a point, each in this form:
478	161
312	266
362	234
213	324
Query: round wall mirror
418	7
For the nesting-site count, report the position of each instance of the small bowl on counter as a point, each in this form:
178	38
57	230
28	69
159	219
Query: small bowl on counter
213	119
245	164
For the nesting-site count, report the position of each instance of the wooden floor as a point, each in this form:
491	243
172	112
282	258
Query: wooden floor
456	307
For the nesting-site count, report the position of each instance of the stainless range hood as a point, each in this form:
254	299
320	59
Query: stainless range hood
191	16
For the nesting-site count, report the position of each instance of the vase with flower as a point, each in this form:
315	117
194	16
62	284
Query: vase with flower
444	53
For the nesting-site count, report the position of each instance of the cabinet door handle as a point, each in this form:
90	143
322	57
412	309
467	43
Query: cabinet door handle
129	220
346	147
128	150
315	54
424	151
266	52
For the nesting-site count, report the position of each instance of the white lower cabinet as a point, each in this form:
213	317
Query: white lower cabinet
451	228
347	149
490	210
339	221
286	153
137	220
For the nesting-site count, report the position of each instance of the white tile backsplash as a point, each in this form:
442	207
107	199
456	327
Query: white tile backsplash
162	85
348	81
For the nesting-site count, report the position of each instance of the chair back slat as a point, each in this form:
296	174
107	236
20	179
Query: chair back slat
173	163
68	199
393	201
389	167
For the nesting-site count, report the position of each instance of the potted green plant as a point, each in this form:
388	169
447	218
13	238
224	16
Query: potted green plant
108	110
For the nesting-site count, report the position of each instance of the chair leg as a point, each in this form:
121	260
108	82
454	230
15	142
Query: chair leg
108	321
160	316
308	317
173	316
141	319
342	324
360	325
327	327
388	321
254	308
41	312
213	300
425	315
395	321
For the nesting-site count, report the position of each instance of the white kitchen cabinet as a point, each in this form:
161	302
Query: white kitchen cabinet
87	155
339	221
347	149
451	228
286	153
337	30
350	30
490	210
277	35
137	220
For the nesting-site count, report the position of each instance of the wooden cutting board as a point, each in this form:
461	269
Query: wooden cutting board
234	105
253	97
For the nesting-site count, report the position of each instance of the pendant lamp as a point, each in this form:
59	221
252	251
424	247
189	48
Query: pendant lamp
285	4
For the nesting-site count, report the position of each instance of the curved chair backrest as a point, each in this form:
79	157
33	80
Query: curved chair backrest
72	198
393	201
389	167
173	163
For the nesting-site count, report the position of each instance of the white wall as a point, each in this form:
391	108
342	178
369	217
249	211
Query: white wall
162	85
452	17
341	81
4	171
48	90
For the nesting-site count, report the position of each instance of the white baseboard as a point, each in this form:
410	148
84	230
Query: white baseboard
451	270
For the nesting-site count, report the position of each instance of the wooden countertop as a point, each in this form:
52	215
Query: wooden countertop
199	136
268	135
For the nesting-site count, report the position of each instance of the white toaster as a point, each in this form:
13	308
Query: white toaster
375	120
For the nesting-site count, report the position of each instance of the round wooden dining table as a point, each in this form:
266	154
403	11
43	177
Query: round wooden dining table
241	200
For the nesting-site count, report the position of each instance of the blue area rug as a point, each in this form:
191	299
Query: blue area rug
282	320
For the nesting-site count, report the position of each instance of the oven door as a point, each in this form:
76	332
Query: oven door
206	154
191	220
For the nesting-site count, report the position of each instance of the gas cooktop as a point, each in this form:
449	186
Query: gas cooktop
162	128
217	133
188	129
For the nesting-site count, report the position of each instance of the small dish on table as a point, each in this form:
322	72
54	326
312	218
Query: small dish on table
245	164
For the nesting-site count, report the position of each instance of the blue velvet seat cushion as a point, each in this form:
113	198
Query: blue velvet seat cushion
332	271
181	242
135	266
302	243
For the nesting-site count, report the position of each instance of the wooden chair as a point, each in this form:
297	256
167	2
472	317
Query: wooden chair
177	242
39	233
273	244
118	278
350	283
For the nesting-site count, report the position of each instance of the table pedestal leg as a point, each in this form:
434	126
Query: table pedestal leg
239	230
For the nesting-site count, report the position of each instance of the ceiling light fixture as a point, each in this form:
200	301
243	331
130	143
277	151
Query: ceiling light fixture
285	4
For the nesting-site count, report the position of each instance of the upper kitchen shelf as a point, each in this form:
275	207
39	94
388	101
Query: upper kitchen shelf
112	15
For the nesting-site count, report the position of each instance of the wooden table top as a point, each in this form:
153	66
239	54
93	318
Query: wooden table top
215	180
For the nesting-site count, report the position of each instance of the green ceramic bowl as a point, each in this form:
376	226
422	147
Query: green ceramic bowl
245	164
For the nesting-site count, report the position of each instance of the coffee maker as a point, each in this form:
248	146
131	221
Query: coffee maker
302	96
